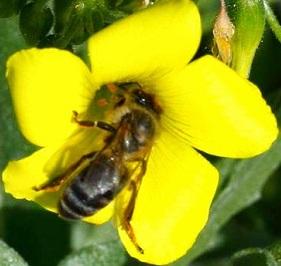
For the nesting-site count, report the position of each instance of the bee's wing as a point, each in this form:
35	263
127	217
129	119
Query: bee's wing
125	201
83	142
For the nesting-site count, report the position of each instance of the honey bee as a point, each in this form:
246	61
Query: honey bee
107	172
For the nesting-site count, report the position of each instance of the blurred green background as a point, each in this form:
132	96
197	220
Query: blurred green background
245	223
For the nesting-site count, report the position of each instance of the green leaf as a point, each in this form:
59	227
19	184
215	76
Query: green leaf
245	185
35	22
12	144
77	20
39	236
100	241
254	256
103	254
10	7
85	234
275	249
9	257
208	10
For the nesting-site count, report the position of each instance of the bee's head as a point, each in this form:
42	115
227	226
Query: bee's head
146	101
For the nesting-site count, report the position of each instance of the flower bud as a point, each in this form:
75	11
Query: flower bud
249	20
35	22
223	32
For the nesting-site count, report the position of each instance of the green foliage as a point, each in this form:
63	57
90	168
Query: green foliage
63	23
11	41
110	253
9	257
275	250
35	22
272	20
254	256
10	7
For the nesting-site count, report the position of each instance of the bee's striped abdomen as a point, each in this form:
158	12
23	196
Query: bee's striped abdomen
93	188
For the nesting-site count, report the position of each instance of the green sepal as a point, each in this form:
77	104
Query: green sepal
35	22
248	17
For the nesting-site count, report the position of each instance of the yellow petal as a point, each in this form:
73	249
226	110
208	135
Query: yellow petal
147	43
173	202
21	176
215	110
46	86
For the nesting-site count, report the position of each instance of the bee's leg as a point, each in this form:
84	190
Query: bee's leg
54	184
126	224
128	213
89	123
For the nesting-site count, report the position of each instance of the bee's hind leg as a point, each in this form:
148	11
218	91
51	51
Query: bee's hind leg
128	213
126	224
54	184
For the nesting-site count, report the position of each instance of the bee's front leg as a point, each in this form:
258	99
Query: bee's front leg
88	123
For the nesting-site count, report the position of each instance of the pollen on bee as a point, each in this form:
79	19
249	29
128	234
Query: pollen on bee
102	102
112	87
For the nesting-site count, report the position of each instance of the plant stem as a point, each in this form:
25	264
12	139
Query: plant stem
272	20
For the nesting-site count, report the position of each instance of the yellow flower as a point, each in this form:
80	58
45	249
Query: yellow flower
205	104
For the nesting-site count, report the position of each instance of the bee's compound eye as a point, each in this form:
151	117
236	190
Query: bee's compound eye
147	101
142	98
